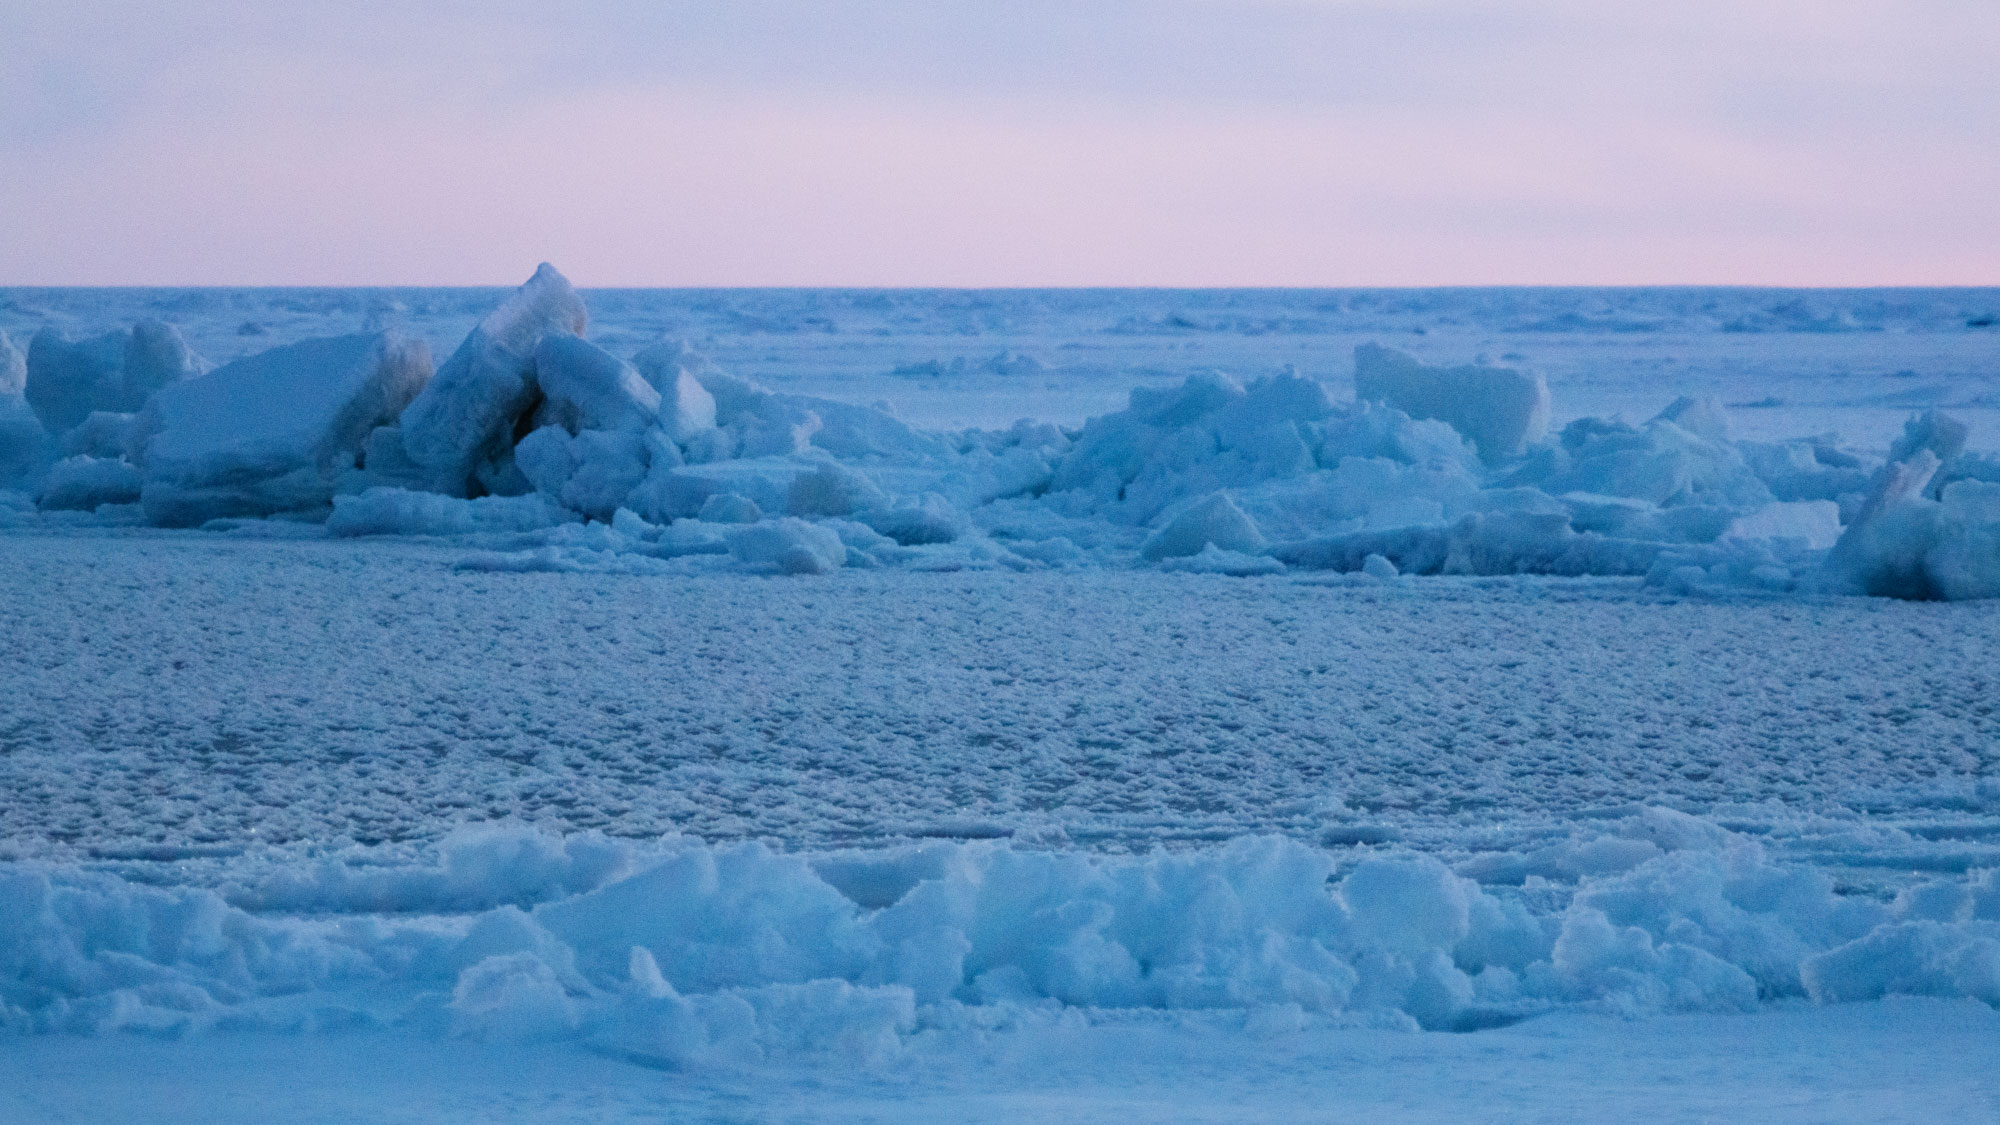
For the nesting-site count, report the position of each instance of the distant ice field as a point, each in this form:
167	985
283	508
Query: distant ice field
1792	362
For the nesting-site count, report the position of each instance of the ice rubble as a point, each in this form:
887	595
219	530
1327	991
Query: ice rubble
688	953
1500	410
1428	470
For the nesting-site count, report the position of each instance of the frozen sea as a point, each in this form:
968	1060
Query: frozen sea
394	828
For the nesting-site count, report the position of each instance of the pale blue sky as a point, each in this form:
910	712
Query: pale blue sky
1146	142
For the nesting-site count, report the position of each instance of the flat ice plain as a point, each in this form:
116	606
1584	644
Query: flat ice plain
529	823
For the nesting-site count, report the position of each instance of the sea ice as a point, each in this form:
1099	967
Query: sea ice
273	432
790	545
1500	410
1214	521
83	482
469	411
686	409
66	379
585	387
1436	470
13	368
692	954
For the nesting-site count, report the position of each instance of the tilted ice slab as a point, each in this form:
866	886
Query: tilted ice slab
271	433
467	413
688	954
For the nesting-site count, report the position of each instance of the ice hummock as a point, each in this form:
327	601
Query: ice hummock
1499	409
1429	470
690	954
469	412
1918	537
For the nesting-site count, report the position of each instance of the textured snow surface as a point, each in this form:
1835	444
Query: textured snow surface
194	688
1446	808
1917	1061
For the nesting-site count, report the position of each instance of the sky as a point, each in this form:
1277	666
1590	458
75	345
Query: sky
1001	142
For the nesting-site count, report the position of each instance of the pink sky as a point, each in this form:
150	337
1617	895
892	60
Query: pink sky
1132	142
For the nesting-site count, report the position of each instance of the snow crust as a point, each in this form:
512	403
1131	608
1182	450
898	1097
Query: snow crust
1433	470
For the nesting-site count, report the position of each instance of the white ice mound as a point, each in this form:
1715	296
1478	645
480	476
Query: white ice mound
1210	433
593	472
1703	416
1661	463
686	408
834	489
468	413
1214	521
1501	410
1904	544
272	432
585	387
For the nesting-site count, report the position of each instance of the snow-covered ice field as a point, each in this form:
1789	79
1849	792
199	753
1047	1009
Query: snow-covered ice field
189	690
1520	745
